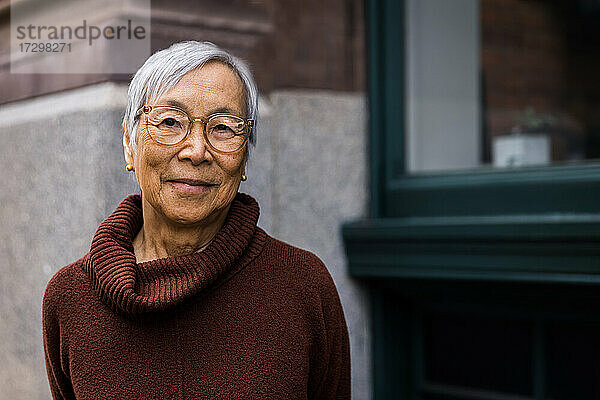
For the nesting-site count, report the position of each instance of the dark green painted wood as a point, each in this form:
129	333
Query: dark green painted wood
534	248
537	305
564	189
385	36
453	392
564	302
378	345
393	95
539	362
418	353
392	347
398	327
579	227
376	86
506	241
391	340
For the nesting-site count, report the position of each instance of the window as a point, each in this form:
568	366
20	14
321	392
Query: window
501	83
483	256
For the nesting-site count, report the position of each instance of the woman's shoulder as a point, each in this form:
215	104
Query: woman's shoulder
285	251
65	282
306	276
303	264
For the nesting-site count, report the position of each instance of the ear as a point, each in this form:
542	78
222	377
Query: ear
127	148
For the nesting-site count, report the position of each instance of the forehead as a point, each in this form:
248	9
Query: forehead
213	86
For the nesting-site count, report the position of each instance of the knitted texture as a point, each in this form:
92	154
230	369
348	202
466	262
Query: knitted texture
249	317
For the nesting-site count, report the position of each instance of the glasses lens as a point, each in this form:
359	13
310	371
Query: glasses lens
167	126
226	132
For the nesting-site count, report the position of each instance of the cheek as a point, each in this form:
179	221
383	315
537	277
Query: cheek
150	165
231	170
231	166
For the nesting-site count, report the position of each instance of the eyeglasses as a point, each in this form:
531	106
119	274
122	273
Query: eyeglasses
224	133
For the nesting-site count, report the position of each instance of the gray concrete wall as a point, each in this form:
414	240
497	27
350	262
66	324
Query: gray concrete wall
308	173
63	173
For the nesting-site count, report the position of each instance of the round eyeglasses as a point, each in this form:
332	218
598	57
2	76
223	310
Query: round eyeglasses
224	133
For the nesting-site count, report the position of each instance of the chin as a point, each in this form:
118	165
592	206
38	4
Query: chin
184	211
186	215
186	218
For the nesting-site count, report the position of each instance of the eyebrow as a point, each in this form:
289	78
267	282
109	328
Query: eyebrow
220	110
177	104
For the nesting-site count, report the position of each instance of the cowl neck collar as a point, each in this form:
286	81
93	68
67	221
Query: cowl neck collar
133	289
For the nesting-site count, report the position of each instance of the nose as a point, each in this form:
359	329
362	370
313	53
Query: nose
194	147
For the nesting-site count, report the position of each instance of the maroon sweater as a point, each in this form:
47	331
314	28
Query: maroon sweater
250	317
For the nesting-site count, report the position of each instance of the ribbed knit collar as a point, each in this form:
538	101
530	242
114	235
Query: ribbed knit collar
132	288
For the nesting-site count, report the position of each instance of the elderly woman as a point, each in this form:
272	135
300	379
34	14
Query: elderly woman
182	295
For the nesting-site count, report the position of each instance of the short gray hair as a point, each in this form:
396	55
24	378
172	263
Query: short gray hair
163	69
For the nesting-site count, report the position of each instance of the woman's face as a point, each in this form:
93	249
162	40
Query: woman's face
189	182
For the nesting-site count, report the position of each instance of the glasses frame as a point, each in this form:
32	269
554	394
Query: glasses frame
248	123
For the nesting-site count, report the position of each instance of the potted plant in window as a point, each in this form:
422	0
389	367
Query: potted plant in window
528	143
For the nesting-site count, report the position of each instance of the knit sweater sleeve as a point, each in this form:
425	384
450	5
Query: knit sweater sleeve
331	362
53	340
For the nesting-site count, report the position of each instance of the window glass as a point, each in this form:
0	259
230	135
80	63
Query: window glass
502	83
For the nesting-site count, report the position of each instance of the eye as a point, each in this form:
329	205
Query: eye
222	130
170	122
222	127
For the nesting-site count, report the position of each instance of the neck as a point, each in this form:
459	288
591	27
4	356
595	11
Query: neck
160	237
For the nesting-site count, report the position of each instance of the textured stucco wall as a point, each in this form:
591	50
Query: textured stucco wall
63	173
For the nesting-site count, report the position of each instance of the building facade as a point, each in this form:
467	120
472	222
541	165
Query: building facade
481	246
63	166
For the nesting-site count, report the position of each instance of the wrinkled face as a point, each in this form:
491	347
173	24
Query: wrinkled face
189	183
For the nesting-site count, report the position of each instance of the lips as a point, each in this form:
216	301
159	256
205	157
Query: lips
190	186
192	182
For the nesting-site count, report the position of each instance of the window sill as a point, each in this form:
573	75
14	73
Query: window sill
542	248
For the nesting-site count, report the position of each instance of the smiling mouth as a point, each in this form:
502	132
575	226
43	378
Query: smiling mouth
191	186
192	182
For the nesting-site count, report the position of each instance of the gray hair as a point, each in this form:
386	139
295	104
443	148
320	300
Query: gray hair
163	69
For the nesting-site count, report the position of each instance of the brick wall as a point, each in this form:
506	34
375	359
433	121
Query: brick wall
313	44
543	55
